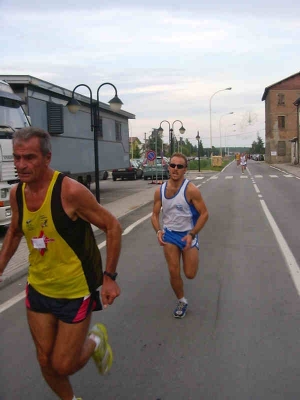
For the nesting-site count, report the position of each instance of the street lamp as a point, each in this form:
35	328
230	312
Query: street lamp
210	131
198	139
115	104
226	144
220	131
171	130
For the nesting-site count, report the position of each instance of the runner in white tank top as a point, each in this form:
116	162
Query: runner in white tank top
184	214
178	214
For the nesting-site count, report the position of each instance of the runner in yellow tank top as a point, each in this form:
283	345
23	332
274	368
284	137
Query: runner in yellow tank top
66	278
55	214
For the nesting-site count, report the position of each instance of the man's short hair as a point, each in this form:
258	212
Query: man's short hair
25	134
180	155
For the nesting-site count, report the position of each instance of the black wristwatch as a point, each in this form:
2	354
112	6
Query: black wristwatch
192	234
112	276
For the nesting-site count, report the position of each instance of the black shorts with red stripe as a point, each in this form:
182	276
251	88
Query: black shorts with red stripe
69	311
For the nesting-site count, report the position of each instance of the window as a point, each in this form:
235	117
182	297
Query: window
281	101
118	131
281	122
55	118
281	148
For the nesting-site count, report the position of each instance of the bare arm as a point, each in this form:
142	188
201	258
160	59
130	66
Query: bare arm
13	236
155	216
196	199
78	201
194	196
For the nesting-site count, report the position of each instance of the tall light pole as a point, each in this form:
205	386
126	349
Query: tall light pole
210	130
198	139
115	104
220	131
227	147
171	130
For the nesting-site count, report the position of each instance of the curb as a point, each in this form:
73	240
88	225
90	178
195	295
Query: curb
11	279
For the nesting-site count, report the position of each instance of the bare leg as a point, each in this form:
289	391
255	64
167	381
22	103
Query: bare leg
62	349
190	262
172	255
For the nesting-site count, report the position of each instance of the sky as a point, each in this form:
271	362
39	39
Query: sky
169	60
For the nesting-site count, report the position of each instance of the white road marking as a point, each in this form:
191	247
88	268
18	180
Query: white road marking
288	176
11	302
286	251
256	188
132	226
200	177
228	177
244	177
273	176
258	176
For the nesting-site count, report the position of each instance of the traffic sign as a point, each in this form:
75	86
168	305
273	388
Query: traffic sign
151	155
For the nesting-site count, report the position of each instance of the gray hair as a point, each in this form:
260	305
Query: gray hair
44	137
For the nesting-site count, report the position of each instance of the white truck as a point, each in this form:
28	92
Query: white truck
12	117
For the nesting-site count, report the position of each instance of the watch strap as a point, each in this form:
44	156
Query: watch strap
112	276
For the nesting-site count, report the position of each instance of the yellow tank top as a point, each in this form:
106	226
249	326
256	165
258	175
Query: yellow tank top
64	259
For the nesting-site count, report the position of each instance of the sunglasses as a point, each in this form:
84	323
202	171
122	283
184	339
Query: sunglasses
179	166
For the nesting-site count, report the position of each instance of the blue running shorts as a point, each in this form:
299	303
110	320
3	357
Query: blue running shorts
174	237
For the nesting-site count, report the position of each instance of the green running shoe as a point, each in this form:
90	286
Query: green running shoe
103	355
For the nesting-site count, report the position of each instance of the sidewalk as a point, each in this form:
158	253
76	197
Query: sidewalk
18	265
289	168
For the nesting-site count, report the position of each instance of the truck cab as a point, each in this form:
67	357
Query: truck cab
12	117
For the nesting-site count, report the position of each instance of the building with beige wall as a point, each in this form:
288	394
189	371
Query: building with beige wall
281	120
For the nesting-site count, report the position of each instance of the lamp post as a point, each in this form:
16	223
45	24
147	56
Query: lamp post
210	130
226	146
171	130
115	104
198	139
220	131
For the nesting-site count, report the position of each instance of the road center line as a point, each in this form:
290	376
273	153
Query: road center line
256	188
284	247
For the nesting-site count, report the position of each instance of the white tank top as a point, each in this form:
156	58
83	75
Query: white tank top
177	214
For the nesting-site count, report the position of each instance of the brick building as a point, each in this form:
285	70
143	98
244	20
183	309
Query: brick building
281	120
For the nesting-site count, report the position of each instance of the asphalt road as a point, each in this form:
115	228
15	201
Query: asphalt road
240	338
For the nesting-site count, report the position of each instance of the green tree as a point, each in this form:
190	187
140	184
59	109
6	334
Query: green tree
136	151
257	146
155	139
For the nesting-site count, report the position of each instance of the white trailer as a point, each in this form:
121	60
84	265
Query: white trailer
12	117
71	136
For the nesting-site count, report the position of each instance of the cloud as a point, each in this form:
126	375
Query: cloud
165	58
